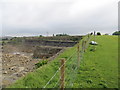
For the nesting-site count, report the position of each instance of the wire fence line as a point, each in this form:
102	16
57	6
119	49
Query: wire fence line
58	81
60	77
72	70
71	78
57	71
81	59
70	84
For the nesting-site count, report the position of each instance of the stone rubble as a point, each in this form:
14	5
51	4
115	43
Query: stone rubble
15	66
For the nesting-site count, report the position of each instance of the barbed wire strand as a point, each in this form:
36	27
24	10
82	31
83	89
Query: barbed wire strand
58	80
69	76
57	71
81	55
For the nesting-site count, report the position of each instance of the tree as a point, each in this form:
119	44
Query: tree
3	42
40	36
4	38
91	33
98	33
116	33
62	34
106	34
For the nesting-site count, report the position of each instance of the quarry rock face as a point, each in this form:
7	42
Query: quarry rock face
52	43
45	52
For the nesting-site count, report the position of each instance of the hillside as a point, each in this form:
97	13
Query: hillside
98	69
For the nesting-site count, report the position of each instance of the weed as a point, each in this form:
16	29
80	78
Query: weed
41	63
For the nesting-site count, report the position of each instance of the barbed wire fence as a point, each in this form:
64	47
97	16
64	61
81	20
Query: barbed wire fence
71	66
58	71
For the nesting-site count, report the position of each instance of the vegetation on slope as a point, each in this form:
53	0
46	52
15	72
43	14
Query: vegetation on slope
42	75
98	69
116	33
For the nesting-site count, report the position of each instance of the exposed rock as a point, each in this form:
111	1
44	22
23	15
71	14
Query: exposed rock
5	72
21	69
19	75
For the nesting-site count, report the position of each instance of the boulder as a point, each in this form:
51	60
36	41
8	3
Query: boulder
5	72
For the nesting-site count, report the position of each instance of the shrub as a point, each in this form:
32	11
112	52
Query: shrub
98	33
62	34
106	34
74	39
91	33
116	33
41	63
40	36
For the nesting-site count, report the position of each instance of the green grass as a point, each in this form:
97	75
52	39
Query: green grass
98	69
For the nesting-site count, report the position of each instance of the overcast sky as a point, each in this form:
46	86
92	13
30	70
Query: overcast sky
35	17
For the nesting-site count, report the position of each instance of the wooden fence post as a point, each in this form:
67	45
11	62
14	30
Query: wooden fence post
85	46
78	51
94	40
82	45
94	35
62	73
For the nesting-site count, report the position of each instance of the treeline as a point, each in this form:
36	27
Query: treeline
116	33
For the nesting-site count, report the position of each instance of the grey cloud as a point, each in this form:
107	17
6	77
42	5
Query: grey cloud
57	17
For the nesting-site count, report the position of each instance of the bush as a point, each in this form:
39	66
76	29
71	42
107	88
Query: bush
74	39
91	33
5	39
62	34
106	34
116	33
40	36
41	63
3	42
98	33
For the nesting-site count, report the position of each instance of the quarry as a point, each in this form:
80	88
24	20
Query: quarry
20	54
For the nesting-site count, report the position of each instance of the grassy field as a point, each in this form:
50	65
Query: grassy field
98	69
